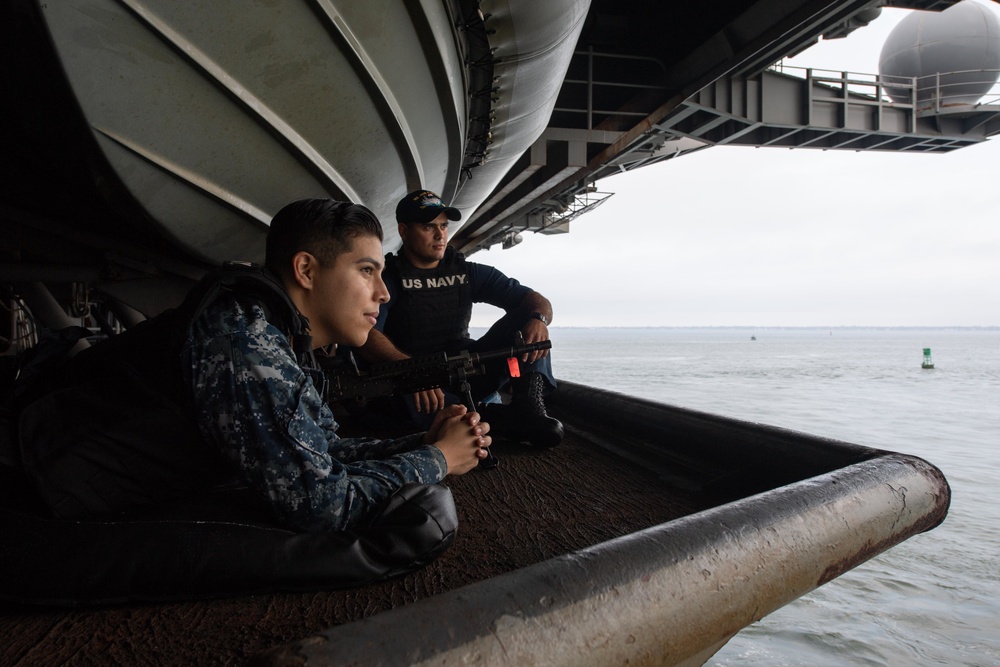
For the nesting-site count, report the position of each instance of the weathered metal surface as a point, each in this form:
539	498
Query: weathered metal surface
532	44
792	512
532	508
664	596
702	525
214	119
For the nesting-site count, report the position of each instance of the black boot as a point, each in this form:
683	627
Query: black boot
525	419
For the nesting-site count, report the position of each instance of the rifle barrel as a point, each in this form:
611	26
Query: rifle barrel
515	350
417	373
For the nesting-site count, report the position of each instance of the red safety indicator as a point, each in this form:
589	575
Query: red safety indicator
515	370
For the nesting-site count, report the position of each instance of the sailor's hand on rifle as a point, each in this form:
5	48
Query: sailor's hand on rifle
429	400
534	331
461	437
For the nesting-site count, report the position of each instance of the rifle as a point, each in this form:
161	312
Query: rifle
406	376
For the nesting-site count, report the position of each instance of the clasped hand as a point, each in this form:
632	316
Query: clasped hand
461	436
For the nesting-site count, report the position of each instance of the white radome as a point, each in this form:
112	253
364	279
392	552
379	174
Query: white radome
961	44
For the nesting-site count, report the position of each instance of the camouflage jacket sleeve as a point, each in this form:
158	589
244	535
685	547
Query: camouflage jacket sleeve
257	405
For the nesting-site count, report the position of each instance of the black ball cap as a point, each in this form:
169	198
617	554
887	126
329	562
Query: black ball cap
422	206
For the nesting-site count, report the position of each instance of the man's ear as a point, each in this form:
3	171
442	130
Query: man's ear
304	266
402	228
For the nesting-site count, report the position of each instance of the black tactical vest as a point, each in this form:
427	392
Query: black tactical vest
114	426
432	310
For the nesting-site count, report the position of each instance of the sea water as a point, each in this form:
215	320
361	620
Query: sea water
935	598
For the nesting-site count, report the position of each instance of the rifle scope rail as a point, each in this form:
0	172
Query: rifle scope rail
428	371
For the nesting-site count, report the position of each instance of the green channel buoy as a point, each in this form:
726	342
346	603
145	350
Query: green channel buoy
927	363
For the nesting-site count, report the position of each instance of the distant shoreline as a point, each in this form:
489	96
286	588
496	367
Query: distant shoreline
743	327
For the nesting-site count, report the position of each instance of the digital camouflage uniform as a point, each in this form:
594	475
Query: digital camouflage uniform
263	412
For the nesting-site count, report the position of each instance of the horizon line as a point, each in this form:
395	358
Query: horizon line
989	327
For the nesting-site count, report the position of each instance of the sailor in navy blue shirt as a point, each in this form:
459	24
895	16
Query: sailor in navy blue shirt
432	290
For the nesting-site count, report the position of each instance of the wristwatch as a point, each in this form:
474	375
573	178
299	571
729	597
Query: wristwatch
541	318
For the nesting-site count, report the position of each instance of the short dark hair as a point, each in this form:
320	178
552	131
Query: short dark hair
324	228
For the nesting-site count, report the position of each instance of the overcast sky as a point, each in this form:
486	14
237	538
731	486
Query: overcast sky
779	237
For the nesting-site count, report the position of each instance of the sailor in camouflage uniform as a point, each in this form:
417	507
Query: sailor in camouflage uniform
262	409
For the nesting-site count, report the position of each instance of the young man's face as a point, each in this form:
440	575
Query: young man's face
426	242
346	296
